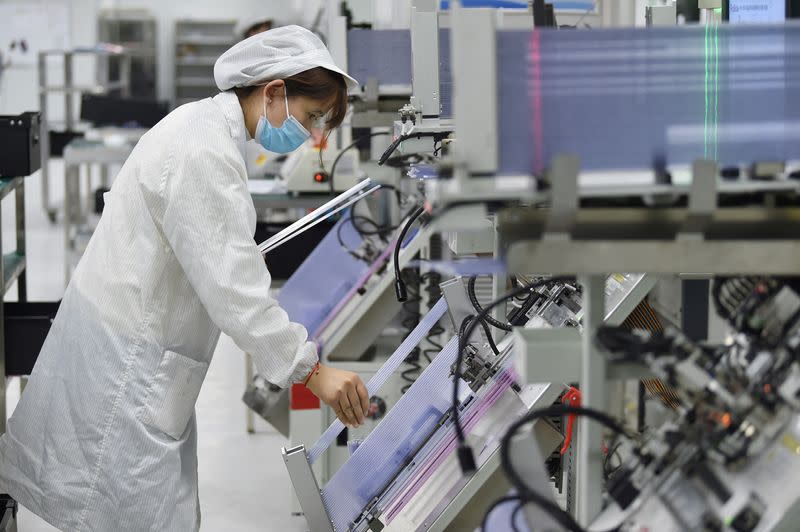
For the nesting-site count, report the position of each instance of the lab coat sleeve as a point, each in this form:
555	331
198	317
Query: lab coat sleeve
209	221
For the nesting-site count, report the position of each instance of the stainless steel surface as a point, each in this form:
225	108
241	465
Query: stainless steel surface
563	178
593	385
425	57
307	489
687	256
288	201
473	43
459	307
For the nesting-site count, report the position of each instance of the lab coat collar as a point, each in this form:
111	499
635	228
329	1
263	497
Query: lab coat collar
229	103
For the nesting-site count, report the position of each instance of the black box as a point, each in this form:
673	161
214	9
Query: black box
8	514
26	327
103	110
20	150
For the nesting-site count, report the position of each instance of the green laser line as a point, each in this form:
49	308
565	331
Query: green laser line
705	92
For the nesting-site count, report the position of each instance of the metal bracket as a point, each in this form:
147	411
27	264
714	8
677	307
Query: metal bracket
459	307
473	44
702	199
307	489
563	179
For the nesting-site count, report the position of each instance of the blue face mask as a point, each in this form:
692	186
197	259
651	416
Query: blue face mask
290	136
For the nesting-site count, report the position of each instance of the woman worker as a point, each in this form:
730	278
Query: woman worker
104	437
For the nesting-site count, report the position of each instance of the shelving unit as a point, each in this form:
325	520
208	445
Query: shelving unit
135	30
198	44
104	83
12	268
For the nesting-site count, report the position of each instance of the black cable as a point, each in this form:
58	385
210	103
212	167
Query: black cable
465	456
434	293
514	515
496	504
339	237
526	492
489	338
409	322
343	150
475	303
399	285
399	140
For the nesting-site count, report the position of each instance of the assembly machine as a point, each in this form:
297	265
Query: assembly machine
587	165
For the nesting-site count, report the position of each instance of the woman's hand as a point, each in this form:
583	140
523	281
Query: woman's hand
343	391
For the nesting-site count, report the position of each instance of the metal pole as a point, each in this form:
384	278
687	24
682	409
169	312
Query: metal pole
3	413
68	100
44	135
593	389
248	379
22	282
71	181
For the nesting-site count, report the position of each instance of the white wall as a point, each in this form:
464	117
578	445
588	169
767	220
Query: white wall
19	85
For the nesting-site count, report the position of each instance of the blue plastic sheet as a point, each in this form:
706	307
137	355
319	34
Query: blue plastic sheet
324	278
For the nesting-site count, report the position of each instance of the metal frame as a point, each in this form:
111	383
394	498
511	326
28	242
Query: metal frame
77	155
12	268
307	489
552	249
488	472
473	42
69	89
425	58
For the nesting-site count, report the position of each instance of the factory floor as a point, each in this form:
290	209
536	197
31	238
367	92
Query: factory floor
239	472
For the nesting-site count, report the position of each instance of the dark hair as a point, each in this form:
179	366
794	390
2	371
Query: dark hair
318	84
258	27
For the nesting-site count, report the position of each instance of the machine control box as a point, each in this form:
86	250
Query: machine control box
21	149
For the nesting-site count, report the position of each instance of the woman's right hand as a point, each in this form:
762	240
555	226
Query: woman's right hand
343	391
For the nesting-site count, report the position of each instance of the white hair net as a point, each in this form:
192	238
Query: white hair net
275	54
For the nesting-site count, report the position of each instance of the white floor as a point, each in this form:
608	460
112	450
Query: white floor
243	483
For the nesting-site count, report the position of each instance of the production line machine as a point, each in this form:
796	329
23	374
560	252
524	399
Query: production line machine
405	474
698	179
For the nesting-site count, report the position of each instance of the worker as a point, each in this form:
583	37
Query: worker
104	437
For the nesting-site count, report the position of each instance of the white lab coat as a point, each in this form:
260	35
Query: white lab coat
104	436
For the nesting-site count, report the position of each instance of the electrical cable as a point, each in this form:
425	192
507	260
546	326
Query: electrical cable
399	285
465	456
402	138
514	515
410	321
343	150
475	303
342	244
495	505
527	493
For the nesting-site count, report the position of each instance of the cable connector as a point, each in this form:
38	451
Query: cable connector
466	459
400	290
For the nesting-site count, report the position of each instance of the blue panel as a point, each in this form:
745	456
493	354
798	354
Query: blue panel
316	288
639	98
381	54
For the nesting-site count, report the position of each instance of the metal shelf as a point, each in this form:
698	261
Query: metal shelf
196	61
85	88
13	266
196	82
205	39
8	184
